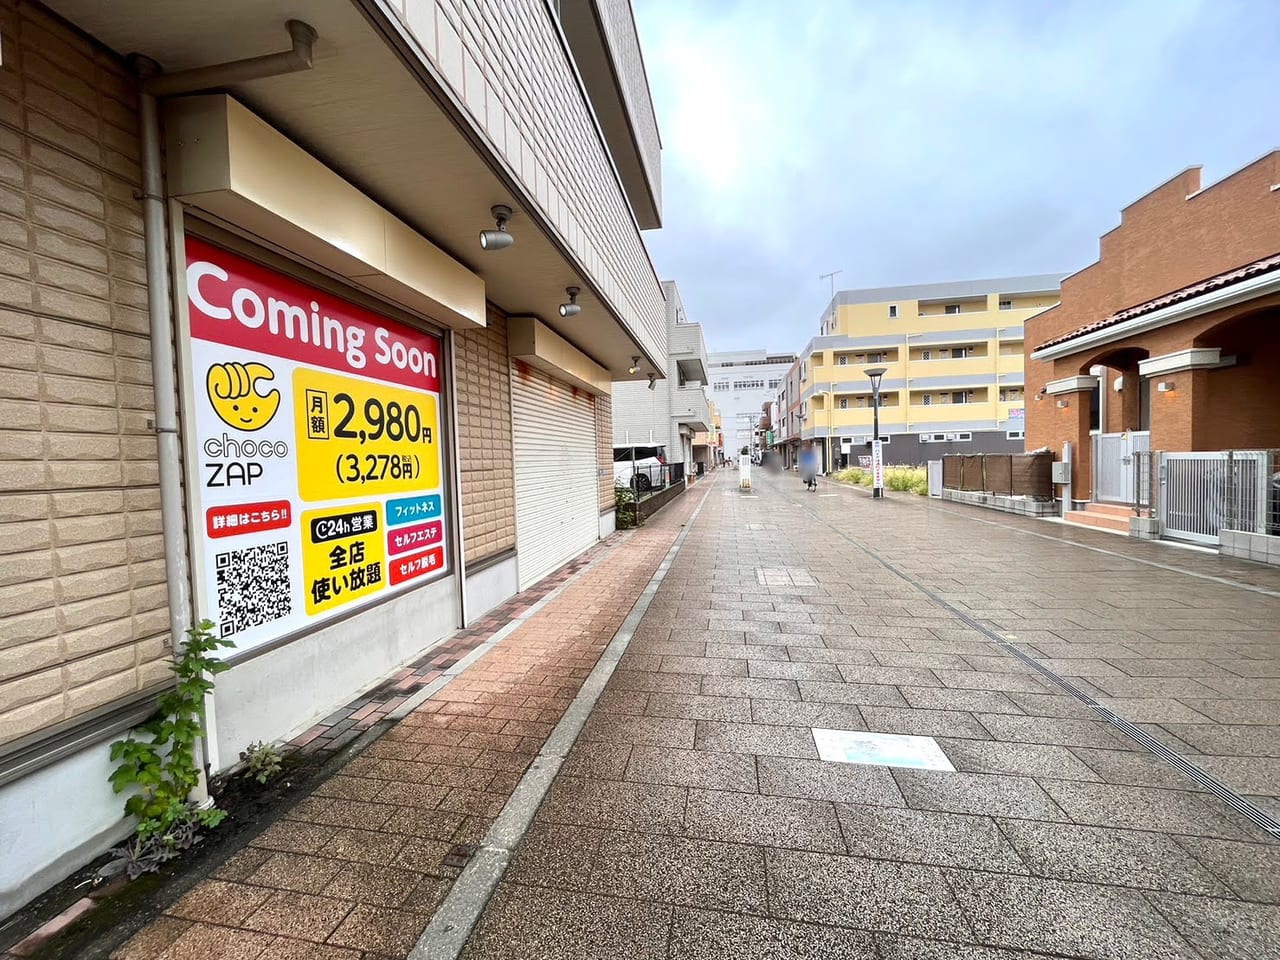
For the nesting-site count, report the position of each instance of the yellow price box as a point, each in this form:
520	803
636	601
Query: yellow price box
358	438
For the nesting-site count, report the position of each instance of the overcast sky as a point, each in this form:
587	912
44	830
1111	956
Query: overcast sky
911	141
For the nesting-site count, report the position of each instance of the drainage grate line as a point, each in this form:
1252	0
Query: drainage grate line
1230	797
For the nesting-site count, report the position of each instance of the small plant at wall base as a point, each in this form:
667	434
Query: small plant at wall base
263	760
626	509
157	761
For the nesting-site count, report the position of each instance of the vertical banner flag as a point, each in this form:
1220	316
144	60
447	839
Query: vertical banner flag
317	473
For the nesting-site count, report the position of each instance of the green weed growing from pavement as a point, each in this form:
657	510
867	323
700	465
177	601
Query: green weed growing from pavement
263	760
157	761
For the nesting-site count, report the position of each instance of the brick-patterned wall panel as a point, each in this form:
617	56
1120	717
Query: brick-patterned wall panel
604	450
83	620
484	440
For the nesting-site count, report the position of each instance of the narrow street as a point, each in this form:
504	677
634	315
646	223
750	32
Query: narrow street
1111	710
694	818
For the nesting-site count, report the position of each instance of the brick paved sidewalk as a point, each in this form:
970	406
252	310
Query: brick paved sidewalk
356	870
694	819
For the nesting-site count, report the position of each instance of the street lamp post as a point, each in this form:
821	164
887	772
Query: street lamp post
877	458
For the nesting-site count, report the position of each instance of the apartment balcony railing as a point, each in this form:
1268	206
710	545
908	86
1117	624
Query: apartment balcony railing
687	346
689	407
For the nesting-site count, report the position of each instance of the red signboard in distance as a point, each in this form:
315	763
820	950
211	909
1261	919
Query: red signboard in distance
415	565
402	539
238	303
235	519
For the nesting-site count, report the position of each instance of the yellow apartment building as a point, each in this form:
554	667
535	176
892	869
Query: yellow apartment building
953	356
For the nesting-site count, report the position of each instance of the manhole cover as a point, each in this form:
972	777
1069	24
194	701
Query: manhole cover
880	749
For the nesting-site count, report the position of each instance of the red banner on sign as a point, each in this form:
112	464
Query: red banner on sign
239	303
239	518
417	565
402	539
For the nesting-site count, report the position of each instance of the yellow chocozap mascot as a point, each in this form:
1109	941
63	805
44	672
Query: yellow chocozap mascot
233	392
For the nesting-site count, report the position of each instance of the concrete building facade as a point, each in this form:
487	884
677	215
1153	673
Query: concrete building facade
186	253
741	382
675	410
953	355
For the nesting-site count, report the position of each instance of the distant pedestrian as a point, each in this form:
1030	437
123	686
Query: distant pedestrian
809	467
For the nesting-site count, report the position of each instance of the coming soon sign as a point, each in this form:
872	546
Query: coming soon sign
318	468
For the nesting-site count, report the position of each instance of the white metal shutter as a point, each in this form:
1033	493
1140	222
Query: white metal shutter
557	516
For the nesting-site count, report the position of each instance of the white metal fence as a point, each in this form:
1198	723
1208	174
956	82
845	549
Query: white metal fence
1113	464
1201	494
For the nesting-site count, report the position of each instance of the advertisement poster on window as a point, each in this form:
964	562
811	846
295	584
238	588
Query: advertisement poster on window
317	474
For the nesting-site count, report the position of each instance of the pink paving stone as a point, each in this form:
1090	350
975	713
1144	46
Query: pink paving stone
364	711
305	738
44	934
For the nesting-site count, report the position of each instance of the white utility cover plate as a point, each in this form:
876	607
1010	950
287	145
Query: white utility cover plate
881	749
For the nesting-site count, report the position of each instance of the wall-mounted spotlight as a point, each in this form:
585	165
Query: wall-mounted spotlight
1164	386
635	365
498	239
1062	404
653	381
572	308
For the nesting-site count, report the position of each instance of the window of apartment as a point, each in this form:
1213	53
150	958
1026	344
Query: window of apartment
1011	395
926	354
1006	304
1015	435
804	371
952	308
875	358
893	311
843	360
960	436
844	403
773	384
959	353
862	401
962	396
804	410
927	399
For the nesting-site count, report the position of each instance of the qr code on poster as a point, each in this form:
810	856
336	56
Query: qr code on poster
253	586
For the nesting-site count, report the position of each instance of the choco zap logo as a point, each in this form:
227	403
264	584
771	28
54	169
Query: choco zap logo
242	398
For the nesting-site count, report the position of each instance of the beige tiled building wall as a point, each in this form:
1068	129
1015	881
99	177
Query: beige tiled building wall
604	450
506	62
485	452
83	619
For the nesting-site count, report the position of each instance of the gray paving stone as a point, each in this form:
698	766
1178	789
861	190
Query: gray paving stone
830	655
977	793
783	822
947	698
1058	704
1080	920
693	768
698	707
1147	808
1018	759
924	723
649	681
607	803
596	759
1154	710
926	836
681	870
1248	775
753	687
911	948
861	693
1222	739
868	894
921	660
622	701
1151	687
702	935
1130	768
1236	710
1024	682
1224	929
650	731
704	666
820	780
522	923
916	676
1125	858
801	713
1060	731
1252	870
756	738
789	670
746	651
